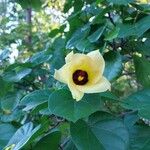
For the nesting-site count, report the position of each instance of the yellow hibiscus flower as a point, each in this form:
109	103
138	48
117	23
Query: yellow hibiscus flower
83	73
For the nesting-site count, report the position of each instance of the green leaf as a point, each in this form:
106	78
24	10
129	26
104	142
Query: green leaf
139	101
4	87
130	119
59	53
127	30
143	47
113	65
6	132
120	2
79	35
92	10
78	5
45	111
68	4
30	4
24	3
10	101
40	57
142	69
70	145
35	5
16	74
8	116
42	129
145	7
4	54
62	104
57	31
137	29
109	96
96	35
139	137
85	46
32	100
90	1
75	23
99	1
41	108
50	141
22	136
112	34
101	132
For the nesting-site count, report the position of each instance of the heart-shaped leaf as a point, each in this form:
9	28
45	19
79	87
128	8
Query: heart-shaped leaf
50	141
140	137
22	136
139	101
62	104
101	132
35	99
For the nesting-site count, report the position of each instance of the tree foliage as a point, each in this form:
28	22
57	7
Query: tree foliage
39	113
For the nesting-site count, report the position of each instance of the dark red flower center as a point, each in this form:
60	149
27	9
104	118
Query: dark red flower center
80	77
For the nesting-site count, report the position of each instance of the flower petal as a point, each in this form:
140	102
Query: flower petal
63	74
68	58
86	63
76	94
98	60
101	86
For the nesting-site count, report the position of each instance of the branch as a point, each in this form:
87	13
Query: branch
29	22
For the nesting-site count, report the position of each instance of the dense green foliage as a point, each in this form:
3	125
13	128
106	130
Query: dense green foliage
37	112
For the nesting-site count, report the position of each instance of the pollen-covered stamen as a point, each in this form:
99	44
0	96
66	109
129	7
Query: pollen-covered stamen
80	77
